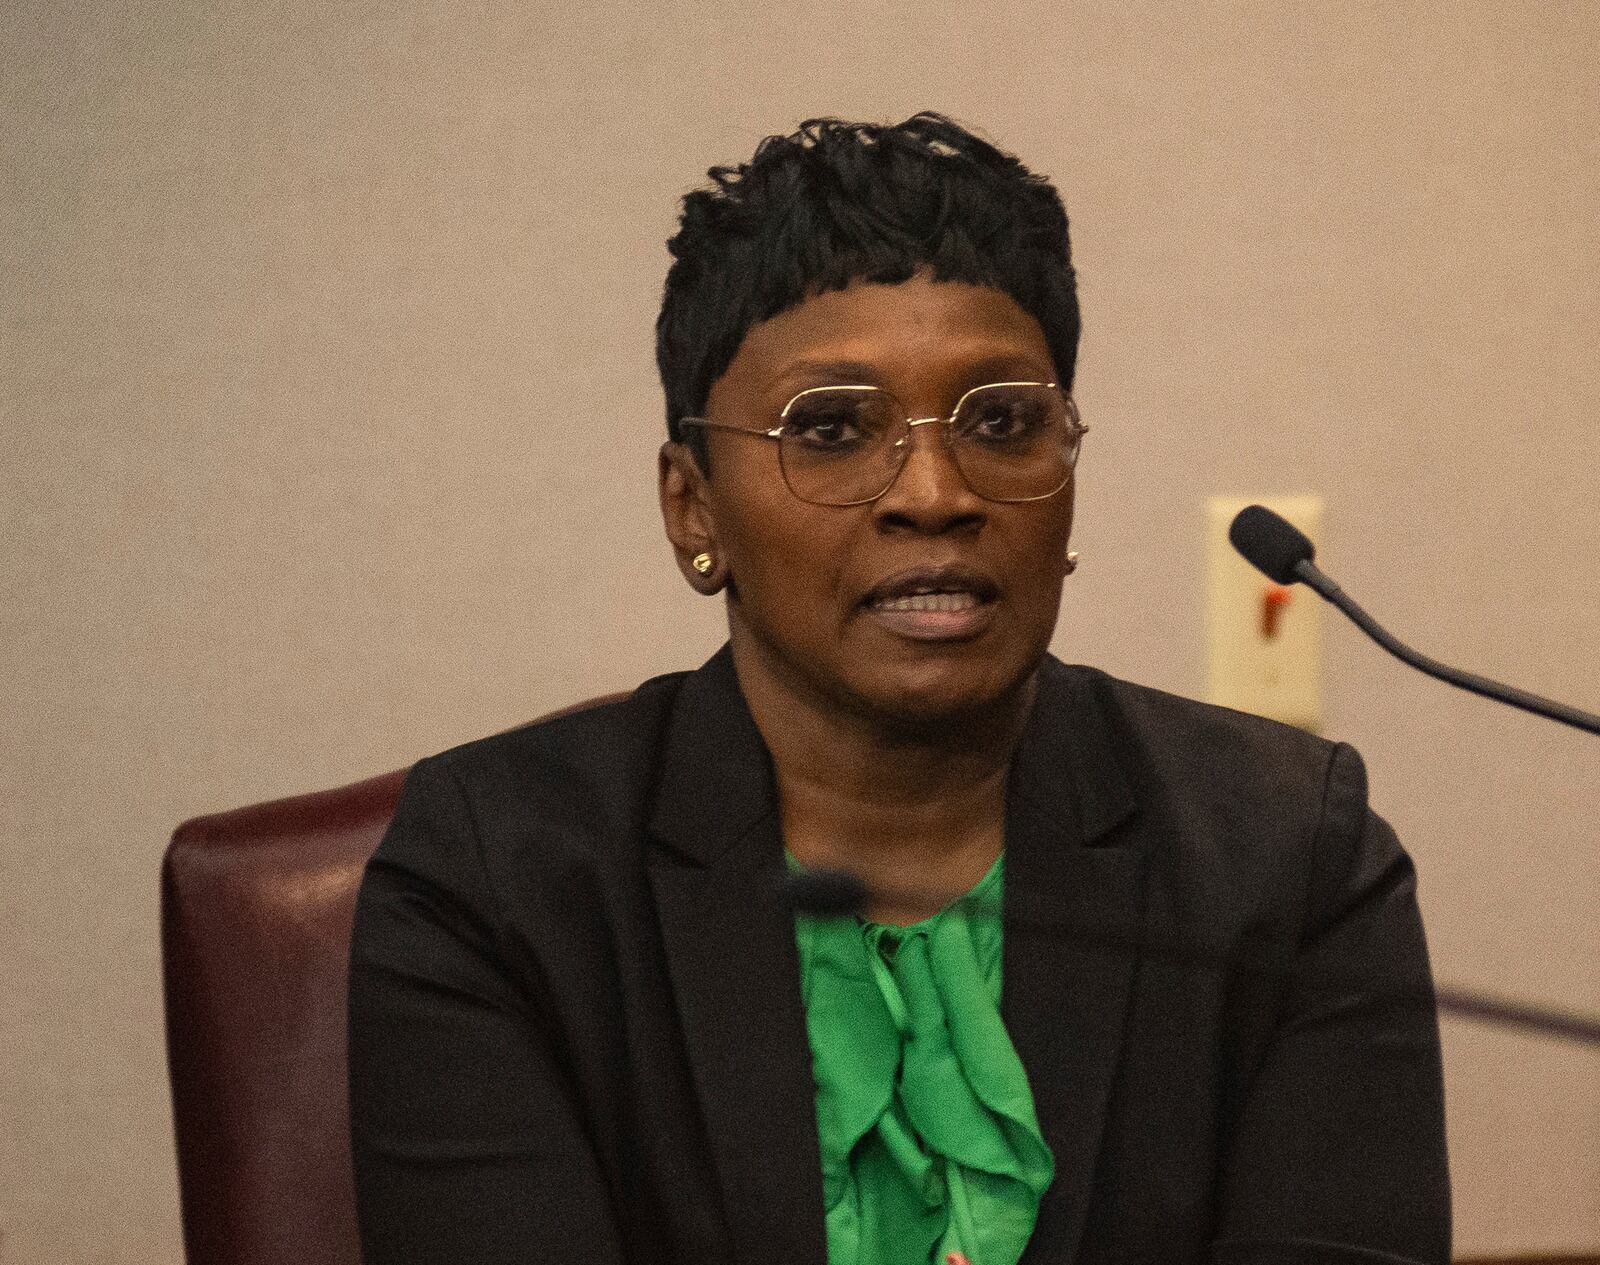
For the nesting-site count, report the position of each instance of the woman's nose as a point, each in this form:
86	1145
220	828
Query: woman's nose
929	493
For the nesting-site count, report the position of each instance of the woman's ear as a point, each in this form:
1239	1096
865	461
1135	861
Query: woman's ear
689	522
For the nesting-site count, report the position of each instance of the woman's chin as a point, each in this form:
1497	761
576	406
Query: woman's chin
895	683
937	695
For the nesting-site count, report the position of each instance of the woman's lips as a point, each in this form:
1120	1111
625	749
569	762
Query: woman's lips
933	615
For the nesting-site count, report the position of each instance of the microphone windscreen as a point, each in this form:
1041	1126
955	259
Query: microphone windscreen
825	893
1270	543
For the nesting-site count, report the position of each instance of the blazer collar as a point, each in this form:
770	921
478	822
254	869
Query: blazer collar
716	778
1067	769
735	970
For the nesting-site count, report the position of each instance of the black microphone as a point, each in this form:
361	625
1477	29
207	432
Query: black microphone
1281	552
825	893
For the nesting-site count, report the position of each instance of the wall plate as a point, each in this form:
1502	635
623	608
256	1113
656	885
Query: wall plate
1263	640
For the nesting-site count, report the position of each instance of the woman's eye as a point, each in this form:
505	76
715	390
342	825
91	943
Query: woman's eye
823	430
1006	421
998	423
1003	423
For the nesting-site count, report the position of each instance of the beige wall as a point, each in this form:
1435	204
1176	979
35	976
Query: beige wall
327	418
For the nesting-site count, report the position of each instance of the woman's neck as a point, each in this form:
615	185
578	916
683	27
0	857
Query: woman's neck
913	809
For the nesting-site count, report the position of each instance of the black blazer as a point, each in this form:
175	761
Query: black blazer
577	1033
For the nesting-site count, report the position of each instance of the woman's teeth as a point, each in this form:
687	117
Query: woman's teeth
929	602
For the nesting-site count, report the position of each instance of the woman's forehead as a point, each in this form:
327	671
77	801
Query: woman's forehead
870	331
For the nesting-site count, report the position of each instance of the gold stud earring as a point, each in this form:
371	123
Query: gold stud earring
703	563
1072	561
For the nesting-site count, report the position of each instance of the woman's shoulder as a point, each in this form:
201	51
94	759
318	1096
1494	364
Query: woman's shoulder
583	772
1165	730
1212	772
1241	811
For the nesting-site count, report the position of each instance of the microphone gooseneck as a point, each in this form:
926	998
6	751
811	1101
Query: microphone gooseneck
1281	552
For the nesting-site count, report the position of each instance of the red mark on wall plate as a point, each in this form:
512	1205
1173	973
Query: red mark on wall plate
1275	600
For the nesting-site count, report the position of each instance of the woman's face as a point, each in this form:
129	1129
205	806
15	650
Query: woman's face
821	598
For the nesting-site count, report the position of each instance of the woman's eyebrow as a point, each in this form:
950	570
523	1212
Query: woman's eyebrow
1009	366
841	372
1006	366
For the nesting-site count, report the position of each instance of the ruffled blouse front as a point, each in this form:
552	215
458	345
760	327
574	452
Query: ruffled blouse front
930	1143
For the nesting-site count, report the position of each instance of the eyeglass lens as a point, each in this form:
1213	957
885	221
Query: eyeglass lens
1014	441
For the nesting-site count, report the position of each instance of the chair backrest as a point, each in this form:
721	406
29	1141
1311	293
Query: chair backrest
256	910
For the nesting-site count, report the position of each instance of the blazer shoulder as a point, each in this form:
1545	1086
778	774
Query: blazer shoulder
583	772
1228	789
1184	740
1252	822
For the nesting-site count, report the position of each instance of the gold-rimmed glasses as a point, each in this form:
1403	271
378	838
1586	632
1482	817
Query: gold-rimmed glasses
846	445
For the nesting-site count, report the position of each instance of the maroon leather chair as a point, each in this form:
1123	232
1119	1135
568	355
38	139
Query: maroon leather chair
256	910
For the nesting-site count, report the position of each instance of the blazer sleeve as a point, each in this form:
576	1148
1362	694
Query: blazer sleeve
468	1146
1339	1153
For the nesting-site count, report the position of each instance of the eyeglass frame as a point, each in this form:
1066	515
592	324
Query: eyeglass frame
1075	429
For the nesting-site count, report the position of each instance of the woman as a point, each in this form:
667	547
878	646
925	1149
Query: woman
586	1026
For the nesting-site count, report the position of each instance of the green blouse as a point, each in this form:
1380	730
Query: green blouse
929	1139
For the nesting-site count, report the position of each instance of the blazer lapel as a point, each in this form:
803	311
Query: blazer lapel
716	871
1073	906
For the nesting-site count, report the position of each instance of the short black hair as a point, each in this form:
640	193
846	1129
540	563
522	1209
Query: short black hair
839	202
